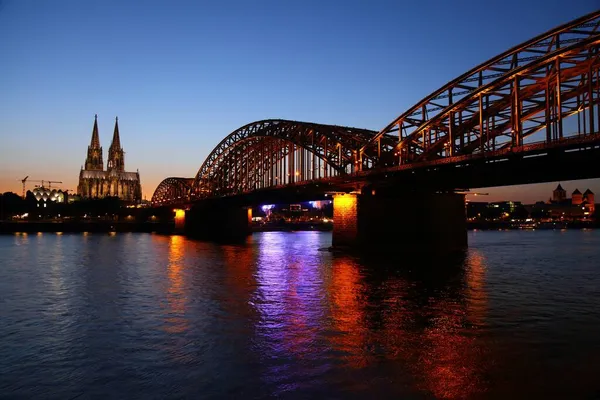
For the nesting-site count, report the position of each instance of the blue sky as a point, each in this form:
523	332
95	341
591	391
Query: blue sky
181	75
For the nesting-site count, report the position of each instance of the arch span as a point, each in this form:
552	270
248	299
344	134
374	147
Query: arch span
417	120
171	191
277	152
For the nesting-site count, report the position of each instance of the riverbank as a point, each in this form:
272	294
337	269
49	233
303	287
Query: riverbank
502	225
100	226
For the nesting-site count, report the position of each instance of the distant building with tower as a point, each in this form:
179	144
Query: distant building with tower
95	182
580	205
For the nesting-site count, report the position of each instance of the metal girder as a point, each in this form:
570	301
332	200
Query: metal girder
278	152
171	191
544	93
517	108
412	122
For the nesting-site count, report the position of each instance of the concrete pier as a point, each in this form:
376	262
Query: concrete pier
415	222
218	220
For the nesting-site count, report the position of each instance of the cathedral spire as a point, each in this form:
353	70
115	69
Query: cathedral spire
93	162
116	141
95	143
116	155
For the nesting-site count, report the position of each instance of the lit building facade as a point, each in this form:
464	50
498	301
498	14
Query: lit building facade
96	182
579	206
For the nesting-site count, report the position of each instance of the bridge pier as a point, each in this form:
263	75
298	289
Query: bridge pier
407	222
218	220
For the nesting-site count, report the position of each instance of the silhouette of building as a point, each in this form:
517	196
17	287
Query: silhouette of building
579	206
94	181
559	194
589	201
576	197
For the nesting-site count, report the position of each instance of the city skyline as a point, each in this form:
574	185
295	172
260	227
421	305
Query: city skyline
182	78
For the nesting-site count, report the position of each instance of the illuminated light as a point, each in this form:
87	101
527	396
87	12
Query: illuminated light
59	233
297	173
326	220
267	207
39	233
179	213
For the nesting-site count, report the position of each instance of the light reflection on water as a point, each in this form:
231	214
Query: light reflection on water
132	315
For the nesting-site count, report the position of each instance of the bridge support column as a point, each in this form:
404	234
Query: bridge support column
219	221
409	222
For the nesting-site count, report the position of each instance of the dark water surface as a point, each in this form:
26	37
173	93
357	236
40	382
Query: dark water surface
149	316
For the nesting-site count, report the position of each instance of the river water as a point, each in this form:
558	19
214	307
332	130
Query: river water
150	316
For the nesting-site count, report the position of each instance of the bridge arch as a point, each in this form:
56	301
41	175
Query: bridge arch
171	191
277	152
510	111
415	121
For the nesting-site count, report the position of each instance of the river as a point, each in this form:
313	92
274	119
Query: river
151	316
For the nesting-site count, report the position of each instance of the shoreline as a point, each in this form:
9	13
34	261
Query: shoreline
9	227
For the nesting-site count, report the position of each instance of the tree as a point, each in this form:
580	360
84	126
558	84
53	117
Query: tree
11	204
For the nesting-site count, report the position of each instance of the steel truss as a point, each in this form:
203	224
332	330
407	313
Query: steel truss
530	88
544	93
278	152
172	191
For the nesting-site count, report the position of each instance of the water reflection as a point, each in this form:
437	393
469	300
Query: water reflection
347	309
415	314
290	301
175	320
277	317
324	309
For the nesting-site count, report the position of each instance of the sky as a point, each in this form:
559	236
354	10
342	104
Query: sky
182	75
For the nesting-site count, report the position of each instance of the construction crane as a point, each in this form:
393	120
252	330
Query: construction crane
24	180
50	183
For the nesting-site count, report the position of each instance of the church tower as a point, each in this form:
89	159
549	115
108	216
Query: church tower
559	194
116	155
94	162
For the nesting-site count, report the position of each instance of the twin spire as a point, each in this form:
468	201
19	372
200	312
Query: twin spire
116	155
116	140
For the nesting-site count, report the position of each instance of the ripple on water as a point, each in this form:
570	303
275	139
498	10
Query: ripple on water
136	315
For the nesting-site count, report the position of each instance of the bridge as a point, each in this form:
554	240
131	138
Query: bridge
528	115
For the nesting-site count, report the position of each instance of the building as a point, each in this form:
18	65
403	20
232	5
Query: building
43	195
589	202
96	182
578	207
559	194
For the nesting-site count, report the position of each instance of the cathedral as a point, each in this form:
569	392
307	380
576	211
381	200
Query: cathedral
94	181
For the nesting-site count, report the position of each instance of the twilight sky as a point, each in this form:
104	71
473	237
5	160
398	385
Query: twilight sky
181	75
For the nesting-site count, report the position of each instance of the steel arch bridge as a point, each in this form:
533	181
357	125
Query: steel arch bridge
530	88
542	93
172	190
